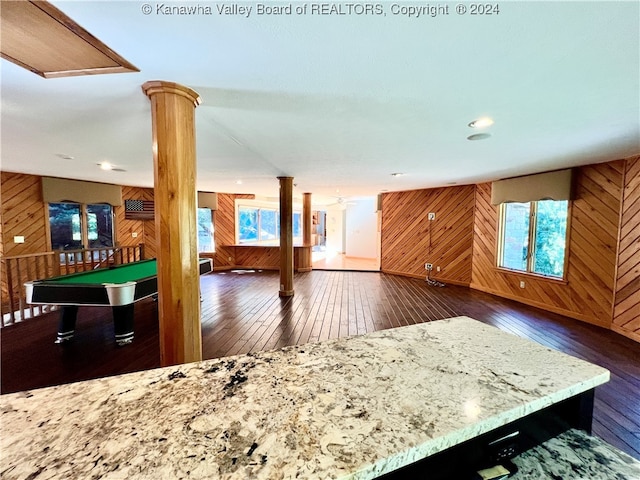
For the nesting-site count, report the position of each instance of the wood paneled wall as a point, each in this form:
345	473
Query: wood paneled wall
23	213
146	229
626	314
587	293
4	288
268	257
409	239
602	284
603	276
258	257
224	221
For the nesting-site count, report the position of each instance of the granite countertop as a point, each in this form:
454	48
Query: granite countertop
575	454
347	408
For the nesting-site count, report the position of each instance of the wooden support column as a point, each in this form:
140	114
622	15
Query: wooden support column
174	157
286	236
305	260
306	219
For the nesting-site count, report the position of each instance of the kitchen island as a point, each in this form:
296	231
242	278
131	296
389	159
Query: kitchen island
357	407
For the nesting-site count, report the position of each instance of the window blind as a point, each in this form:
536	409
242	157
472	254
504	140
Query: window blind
542	186
208	200
62	190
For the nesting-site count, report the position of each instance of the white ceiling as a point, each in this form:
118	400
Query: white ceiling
341	102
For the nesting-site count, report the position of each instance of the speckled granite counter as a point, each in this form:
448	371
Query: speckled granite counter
349	408
575	455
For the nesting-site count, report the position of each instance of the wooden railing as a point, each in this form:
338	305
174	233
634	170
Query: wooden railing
37	266
74	261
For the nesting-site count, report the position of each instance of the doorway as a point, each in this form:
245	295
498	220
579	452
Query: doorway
346	236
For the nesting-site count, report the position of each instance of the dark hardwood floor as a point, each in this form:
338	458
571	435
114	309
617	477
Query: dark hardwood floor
241	312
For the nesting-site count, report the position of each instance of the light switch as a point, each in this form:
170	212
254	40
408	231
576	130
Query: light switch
18	239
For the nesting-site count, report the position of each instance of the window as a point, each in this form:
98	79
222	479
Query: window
64	221
268	225
258	225
74	226
99	226
206	242
297	226
248	224
533	237
261	224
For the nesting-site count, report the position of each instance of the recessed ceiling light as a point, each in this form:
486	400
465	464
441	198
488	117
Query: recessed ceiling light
64	156
238	182
479	136
481	122
105	166
397	174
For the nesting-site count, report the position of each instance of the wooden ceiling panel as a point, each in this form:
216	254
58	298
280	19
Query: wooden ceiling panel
39	37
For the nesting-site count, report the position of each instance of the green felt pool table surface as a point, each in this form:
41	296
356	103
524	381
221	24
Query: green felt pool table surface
129	272
118	285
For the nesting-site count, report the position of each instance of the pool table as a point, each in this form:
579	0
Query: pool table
119	286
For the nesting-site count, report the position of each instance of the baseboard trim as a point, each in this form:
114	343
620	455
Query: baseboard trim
223	268
627	333
403	274
424	277
245	267
542	306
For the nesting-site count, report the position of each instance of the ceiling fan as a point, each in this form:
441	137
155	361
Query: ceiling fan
343	202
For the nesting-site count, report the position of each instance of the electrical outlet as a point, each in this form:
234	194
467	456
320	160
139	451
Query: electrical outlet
134	234
522	284
428	266
18	239
437	269
431	216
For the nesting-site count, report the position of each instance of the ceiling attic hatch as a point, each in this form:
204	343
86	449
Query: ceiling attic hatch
39	37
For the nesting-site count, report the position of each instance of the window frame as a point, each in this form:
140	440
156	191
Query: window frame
85	231
213	231
533	218
84	225
265	205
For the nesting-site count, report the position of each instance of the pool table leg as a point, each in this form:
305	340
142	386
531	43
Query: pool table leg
67	323
123	323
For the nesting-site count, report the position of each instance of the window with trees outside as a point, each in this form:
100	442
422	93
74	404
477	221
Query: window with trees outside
261	225
74	226
533	237
206	242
